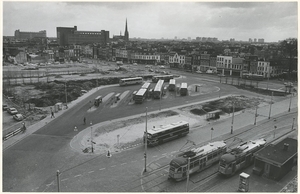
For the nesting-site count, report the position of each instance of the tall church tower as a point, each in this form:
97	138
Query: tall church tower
126	35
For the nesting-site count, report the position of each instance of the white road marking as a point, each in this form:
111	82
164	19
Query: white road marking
102	169
123	164
91	171
78	175
64	179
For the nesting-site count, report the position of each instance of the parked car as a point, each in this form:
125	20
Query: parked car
12	111
198	71
162	67
134	63
18	117
151	70
147	66
4	107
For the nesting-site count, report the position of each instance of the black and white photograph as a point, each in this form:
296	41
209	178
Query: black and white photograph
150	96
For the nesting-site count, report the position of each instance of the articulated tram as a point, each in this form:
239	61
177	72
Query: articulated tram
200	158
240	157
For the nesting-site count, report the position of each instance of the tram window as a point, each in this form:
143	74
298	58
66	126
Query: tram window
179	170
184	169
209	156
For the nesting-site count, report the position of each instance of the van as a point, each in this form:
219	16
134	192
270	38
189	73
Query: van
117	96
98	100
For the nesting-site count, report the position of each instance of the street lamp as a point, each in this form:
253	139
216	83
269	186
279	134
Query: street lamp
290	102
231	131
293	123
211	133
92	146
271	106
57	175
145	139
274	130
188	175
255	115
66	93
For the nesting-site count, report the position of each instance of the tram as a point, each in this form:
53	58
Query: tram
200	157
240	157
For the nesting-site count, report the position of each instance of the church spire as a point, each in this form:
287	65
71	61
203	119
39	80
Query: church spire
126	35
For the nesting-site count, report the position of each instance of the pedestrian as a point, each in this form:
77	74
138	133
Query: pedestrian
23	128
84	120
52	114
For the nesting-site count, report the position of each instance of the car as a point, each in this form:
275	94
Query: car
12	111
151	70
18	117
162	67
147	66
198	71
156	71
4	107
134	63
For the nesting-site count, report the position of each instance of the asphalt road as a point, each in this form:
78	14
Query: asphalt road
31	164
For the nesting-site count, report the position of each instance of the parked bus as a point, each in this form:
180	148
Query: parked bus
98	100
240	157
140	96
146	85
162	77
131	81
253	76
172	85
208	69
201	157
166	133
158	89
183	89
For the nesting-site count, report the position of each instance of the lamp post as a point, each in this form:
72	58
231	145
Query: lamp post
231	131
57	176
211	133
92	146
255	115
145	139
188	175
66	93
274	130
293	123
271	106
290	103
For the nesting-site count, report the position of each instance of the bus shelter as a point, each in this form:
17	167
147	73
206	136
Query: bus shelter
213	115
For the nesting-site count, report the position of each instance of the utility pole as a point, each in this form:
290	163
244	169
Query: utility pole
66	93
271	106
290	102
188	175
92	146
255	115
57	176
145	139
231	131
293	123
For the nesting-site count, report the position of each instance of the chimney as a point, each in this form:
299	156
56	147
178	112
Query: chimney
285	146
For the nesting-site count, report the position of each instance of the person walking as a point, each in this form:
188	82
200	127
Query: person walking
84	120
52	114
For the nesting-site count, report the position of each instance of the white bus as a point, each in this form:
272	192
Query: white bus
162	77
158	89
166	133
172	85
183	89
130	81
146	85
140	96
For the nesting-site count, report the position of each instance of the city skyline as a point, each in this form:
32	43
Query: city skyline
155	20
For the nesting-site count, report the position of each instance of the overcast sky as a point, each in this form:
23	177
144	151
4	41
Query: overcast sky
239	20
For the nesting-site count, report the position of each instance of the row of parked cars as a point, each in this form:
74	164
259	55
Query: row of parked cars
13	111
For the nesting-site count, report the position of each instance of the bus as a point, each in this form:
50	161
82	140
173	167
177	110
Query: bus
130	81
201	157
240	157
172	85
253	76
146	85
98	100
140	96
157	92
162	77
183	89
166	133
208	69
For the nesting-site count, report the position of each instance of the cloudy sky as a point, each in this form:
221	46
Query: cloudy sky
272	21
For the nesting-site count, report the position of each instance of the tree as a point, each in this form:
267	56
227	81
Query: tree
289	50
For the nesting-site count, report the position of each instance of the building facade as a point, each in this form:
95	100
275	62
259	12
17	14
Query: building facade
67	36
30	35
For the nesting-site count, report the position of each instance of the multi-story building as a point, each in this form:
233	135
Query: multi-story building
261	40
176	60
29	35
68	36
126	34
145	57
264	68
205	59
224	62
213	60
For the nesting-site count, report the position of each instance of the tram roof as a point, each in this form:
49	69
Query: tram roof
242	149
165	127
